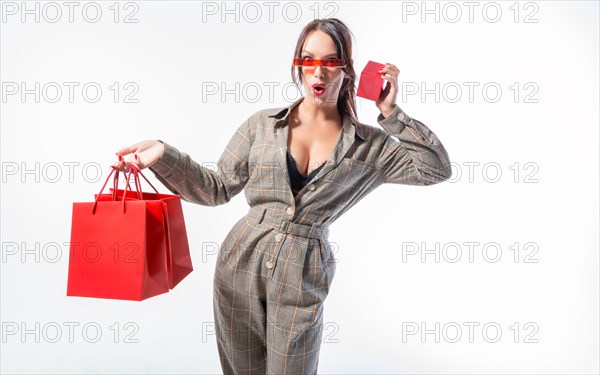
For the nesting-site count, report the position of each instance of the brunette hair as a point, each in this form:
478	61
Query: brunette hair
340	33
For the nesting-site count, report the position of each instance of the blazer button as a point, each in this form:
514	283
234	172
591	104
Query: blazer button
311	187
278	237
401	116
290	210
269	264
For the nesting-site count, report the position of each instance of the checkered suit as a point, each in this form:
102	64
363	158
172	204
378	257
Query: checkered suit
275	266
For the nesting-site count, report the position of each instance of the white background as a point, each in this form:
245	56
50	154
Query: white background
550	204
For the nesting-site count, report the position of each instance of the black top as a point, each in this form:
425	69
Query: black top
296	178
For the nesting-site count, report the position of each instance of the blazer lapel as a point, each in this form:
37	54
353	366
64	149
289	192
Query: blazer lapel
343	144
280	137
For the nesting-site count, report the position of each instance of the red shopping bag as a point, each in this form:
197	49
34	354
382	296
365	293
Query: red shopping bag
119	247
179	261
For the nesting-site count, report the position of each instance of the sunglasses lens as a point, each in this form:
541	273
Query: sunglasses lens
335	62
332	63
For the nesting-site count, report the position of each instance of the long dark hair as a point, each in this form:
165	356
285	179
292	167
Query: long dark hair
340	33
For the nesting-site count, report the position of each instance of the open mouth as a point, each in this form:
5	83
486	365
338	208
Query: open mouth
318	88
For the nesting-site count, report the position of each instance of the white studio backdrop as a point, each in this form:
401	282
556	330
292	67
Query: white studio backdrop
493	271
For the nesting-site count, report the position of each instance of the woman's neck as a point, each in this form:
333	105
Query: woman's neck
318	113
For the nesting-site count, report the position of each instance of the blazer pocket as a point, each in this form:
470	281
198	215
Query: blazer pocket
232	243
327	255
328	260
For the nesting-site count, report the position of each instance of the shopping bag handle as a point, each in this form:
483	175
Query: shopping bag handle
139	172
138	185
132	169
136	171
115	183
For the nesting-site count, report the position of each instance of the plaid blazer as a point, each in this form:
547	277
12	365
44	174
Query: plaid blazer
275	266
255	160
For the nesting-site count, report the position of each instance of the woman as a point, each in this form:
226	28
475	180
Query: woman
301	167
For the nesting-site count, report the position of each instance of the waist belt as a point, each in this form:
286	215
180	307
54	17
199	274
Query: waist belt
286	226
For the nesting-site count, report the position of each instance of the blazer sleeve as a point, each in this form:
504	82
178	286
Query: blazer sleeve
417	157
197	184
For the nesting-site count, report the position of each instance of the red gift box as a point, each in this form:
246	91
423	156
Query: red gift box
370	84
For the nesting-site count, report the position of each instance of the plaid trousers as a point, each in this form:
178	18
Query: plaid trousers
276	265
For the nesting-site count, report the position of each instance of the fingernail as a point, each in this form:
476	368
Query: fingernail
135	156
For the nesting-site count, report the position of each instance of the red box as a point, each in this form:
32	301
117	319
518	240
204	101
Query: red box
370	84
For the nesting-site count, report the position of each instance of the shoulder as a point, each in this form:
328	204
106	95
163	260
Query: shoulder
257	124
263	116
263	119
370	133
272	112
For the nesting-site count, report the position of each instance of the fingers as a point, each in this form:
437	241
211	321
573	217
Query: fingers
123	165
392	73
391	79
390	69
126	166
127	150
137	162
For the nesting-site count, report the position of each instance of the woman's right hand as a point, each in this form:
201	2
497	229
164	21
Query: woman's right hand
143	154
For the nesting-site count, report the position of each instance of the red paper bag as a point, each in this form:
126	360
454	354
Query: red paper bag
119	249
179	261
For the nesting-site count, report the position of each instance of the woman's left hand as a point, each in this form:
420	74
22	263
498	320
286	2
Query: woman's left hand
387	99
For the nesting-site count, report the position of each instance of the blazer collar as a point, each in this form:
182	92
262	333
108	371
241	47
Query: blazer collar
282	114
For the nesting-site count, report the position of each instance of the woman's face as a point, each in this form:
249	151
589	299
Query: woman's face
319	45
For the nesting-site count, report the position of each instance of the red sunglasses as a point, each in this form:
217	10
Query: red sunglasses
330	63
